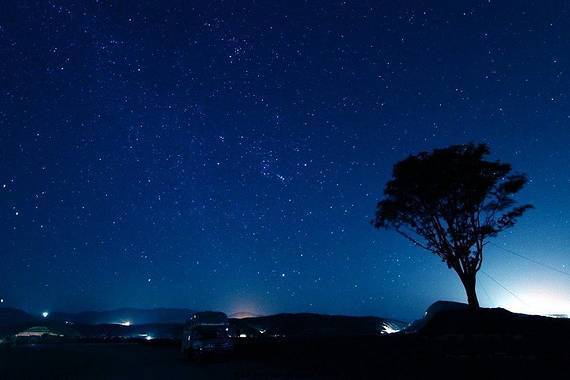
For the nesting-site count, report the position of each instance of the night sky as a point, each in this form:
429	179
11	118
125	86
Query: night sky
229	155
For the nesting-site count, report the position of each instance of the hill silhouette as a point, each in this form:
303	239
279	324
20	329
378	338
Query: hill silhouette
494	321
14	320
309	324
131	315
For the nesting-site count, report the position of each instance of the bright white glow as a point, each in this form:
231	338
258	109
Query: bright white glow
45	314
125	323
388	328
242	335
539	303
148	337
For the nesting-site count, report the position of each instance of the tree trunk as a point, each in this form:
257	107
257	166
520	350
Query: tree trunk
469	282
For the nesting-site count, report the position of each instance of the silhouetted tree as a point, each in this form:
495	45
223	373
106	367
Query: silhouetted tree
450	201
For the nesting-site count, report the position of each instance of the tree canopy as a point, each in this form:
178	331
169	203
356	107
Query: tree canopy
450	201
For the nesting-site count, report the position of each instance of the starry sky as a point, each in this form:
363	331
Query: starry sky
229	154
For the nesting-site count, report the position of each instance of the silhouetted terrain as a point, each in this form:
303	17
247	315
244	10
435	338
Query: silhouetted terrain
307	324
132	315
14	320
166	322
169	324
451	342
495	322
394	356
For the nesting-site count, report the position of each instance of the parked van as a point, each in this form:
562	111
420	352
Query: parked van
206	333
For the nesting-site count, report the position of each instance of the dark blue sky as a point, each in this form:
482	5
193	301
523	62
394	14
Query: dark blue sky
229	155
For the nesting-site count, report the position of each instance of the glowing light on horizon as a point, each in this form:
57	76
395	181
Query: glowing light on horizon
125	323
45	314
244	308
388	328
538	303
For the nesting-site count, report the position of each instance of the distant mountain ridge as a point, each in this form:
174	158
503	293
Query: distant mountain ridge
243	314
441	318
132	316
167	322
10	316
310	324
13	320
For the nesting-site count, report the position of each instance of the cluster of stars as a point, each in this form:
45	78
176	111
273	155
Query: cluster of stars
195	154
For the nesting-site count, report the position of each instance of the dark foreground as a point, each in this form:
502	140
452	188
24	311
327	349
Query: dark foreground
387	357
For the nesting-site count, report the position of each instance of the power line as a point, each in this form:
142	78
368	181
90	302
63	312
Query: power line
531	260
486	293
502	286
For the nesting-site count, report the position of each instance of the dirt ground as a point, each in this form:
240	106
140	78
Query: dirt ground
112	361
354	358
